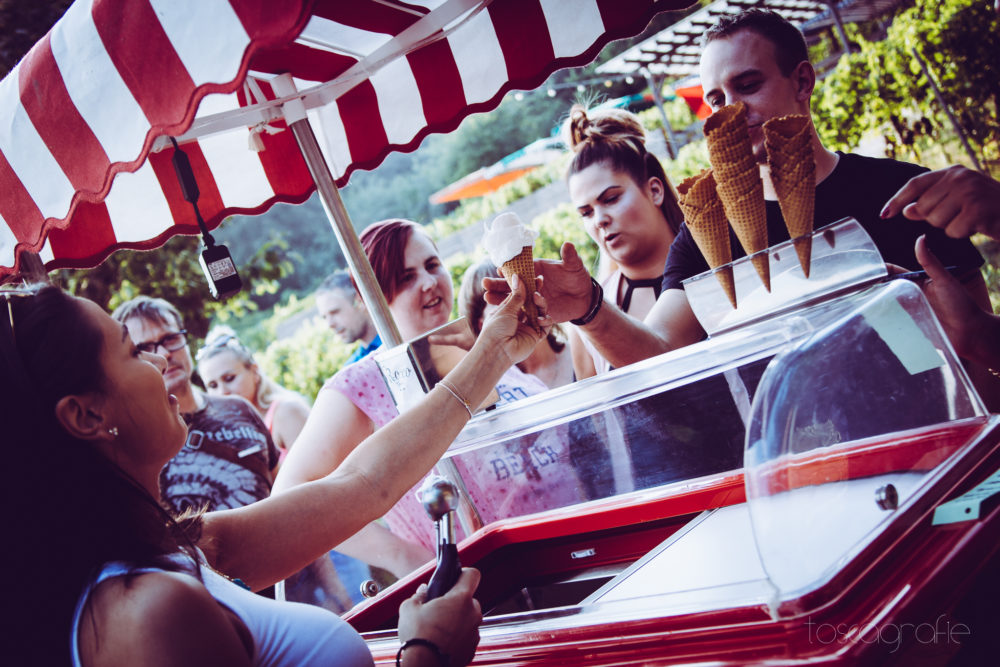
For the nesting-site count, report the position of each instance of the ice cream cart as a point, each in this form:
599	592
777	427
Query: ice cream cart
811	482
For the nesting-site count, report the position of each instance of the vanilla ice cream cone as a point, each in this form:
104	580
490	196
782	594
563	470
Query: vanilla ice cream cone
523	265
509	244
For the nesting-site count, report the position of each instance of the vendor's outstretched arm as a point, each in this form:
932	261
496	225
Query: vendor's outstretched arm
622	340
968	320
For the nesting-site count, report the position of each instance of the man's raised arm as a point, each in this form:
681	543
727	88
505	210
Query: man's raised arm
571	296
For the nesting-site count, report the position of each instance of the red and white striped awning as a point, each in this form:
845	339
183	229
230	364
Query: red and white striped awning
87	110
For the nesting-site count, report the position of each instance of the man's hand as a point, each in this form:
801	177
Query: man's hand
565	285
956	199
451	621
964	321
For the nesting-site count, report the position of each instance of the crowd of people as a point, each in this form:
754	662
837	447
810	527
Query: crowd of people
145	504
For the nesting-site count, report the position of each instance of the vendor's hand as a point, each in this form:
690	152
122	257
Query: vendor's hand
451	621
565	286
957	199
963	321
506	328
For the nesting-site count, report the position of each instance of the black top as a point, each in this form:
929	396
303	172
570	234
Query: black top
858	187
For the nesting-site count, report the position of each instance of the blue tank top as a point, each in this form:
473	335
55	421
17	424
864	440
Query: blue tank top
285	634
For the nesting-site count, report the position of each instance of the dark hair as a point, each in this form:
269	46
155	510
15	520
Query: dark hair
150	309
615	137
789	44
69	509
472	304
338	281
385	245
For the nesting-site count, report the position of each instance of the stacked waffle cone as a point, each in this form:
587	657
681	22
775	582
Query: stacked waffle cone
706	220
738	183
788	141
523	265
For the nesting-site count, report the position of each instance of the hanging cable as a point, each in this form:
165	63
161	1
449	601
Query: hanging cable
216	262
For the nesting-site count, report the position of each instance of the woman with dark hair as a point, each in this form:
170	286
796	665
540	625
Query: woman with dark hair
100	574
628	207
356	402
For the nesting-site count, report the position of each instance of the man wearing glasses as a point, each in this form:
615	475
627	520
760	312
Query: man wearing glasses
229	457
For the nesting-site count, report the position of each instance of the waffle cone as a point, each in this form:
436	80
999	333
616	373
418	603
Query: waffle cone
793	171
738	181
523	265
706	220
748	216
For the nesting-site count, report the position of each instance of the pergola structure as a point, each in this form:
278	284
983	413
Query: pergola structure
674	53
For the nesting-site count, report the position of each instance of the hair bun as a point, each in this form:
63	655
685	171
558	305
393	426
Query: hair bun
579	126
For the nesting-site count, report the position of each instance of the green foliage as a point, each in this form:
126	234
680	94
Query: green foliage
172	272
679	115
559	225
881	89
691	159
304	361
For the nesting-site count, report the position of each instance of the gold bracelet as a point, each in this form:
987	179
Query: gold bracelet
458	397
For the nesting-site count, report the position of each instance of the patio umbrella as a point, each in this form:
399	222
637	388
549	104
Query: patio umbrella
88	112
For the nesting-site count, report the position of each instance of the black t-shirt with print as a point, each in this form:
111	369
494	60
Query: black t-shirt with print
227	461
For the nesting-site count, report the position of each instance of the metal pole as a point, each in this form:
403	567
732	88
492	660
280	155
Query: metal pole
951	117
840	25
338	216
668	132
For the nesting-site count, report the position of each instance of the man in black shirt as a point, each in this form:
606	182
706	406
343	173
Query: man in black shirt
760	59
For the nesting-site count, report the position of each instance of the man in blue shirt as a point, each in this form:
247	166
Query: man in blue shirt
339	304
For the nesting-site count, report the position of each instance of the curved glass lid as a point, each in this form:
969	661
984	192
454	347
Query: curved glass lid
846	427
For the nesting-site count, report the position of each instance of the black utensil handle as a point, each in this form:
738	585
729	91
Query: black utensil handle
446	573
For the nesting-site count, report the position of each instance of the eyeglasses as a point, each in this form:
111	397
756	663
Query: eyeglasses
171	342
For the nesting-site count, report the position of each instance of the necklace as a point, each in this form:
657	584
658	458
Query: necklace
655	283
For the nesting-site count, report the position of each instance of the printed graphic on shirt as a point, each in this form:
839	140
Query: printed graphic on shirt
226	461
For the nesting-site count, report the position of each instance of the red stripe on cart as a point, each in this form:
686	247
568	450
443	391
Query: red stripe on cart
359	111
91	233
209	200
524	37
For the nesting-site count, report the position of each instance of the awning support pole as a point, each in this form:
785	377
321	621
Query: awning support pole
840	25
338	216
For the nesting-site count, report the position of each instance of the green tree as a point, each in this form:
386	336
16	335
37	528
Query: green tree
305	360
172	272
881	88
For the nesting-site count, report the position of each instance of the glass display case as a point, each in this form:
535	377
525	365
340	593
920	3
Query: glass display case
746	477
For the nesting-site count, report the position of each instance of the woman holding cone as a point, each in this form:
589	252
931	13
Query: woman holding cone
628	207
356	402
105	576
